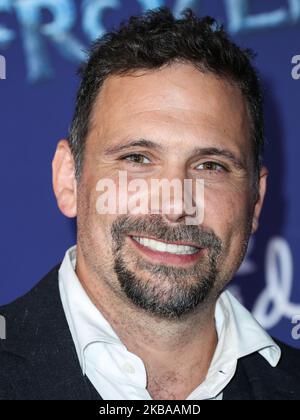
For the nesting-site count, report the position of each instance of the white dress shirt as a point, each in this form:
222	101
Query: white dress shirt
118	374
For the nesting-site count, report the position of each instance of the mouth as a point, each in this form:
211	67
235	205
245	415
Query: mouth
174	253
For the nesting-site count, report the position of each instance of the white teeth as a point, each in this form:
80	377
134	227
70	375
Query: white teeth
164	247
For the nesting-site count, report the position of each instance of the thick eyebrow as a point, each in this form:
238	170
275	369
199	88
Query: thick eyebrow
215	151
148	144
198	151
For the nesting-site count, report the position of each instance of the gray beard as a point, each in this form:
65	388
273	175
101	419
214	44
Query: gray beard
174	293
170	292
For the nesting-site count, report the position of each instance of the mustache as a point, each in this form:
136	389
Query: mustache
155	226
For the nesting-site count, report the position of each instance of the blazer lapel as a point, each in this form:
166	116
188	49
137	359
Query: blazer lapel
45	363
256	380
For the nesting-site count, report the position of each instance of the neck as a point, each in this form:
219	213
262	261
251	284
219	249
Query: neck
176	353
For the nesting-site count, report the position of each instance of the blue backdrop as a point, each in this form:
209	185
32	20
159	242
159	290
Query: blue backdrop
41	44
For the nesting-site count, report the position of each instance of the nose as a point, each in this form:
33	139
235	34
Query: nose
175	196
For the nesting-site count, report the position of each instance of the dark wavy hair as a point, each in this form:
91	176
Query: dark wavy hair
155	39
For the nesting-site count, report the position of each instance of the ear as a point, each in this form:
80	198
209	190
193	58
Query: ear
64	180
261	197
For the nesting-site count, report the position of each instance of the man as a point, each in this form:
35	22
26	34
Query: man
137	310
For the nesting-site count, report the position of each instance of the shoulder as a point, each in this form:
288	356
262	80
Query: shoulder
290	359
24	317
26	322
38	358
274	383
33	302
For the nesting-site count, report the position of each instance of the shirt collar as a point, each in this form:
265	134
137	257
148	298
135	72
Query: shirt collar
239	334
244	331
86	322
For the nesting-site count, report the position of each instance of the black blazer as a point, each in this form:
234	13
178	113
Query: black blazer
38	360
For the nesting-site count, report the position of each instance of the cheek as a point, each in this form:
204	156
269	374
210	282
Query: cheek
226	211
92	225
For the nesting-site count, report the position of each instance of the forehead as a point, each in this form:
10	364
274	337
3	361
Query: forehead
178	99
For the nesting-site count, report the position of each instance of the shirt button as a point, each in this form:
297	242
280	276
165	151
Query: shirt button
128	368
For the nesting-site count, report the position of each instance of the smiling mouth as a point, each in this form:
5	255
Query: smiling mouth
166	252
171	248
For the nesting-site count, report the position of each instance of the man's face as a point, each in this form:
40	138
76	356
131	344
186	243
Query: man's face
199	129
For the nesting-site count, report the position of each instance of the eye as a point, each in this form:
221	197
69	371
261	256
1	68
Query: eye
211	166
136	158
